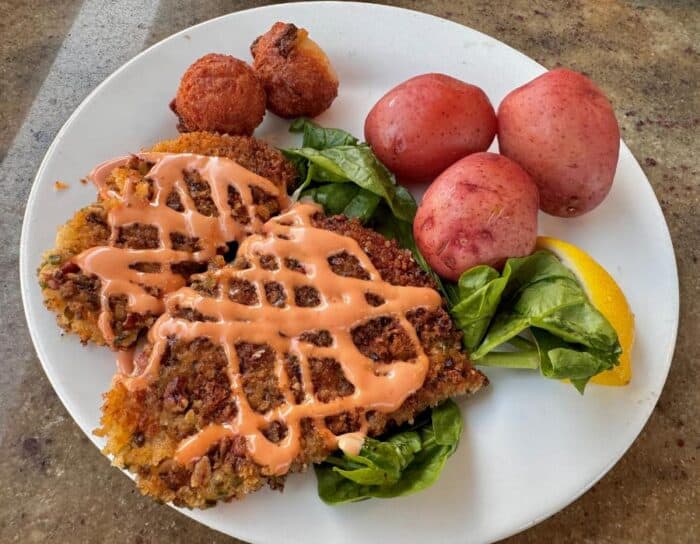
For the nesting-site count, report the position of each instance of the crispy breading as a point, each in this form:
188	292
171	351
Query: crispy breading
75	296
192	389
251	153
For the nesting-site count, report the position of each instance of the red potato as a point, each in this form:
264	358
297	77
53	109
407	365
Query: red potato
562	130
481	210
428	122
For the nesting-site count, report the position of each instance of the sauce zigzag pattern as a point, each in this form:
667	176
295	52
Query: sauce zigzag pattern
337	304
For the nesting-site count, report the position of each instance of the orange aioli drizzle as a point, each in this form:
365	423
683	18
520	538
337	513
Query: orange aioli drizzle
380	387
112	264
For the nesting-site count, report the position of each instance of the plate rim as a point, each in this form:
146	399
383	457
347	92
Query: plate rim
25	265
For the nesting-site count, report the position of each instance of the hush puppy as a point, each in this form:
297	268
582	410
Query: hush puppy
296	74
219	93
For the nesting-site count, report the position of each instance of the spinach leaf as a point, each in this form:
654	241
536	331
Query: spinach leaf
480	290
318	137
538	294
543	293
344	198
561	360
380	463
447	424
357	164
401	464
525	271
422	473
362	206
333	197
334	156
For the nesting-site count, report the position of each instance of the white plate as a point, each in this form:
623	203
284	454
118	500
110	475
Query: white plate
531	446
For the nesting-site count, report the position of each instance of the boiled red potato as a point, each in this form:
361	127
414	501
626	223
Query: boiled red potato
427	123
481	210
562	130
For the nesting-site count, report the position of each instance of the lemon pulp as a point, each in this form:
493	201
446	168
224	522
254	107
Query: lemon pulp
605	294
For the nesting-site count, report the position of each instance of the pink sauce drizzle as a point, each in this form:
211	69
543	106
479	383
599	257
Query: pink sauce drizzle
343	306
112	264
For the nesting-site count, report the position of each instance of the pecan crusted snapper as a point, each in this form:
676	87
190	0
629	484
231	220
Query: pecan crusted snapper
161	216
320	333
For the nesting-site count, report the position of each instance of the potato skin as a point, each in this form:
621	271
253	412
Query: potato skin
562	130
219	93
297	75
481	210
428	122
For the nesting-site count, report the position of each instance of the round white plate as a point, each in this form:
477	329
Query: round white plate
530	446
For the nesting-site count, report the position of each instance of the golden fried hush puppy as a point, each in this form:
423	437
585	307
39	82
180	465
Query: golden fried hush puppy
297	75
219	93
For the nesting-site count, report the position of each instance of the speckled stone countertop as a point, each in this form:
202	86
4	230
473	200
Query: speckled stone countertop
645	54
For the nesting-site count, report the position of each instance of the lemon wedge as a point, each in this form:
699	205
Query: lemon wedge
605	294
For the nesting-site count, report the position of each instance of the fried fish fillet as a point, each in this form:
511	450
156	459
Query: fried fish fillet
75	295
192	389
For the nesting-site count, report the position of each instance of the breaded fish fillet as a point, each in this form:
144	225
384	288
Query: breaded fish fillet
75	296
193	390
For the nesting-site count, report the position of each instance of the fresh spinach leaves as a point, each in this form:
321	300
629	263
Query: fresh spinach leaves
336	157
480	290
572	339
404	463
319	137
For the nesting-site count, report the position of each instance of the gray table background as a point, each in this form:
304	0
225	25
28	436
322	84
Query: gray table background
57	487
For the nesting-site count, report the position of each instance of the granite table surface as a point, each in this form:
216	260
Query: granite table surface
57	487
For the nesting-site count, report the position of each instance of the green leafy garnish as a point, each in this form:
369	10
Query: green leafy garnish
334	156
404	463
345	198
480	291
571	339
319	137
